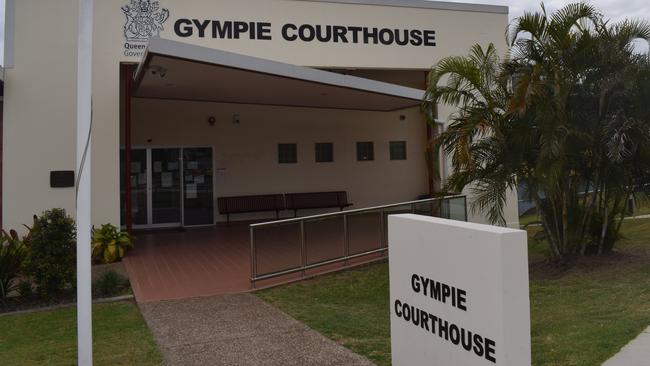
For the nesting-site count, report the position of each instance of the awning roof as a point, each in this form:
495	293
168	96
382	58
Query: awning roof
176	70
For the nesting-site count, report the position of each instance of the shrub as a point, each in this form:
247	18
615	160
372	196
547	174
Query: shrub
109	244
12	257
52	258
110	283
25	289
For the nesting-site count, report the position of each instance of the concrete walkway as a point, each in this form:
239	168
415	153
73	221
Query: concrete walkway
238	330
635	353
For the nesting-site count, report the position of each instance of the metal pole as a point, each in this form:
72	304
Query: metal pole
382	222
128	76
346	239
382	230
303	249
253	259
465	207
83	189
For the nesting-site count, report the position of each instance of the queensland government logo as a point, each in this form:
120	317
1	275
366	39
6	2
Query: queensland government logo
144	19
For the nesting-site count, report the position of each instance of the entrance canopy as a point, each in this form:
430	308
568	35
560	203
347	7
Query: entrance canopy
175	70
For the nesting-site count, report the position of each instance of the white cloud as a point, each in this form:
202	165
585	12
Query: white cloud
613	9
616	10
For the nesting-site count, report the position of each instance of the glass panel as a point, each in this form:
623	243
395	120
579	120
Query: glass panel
425	209
165	186
398	150
138	176
395	210
364	231
457	209
324	152
324	239
287	153
365	151
198	186
277	248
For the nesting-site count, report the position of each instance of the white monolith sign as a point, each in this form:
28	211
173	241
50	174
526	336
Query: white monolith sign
458	293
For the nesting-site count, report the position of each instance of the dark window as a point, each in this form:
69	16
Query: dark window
287	153
324	152
398	150
365	151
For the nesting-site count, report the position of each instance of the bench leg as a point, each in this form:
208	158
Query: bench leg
295	213
227	219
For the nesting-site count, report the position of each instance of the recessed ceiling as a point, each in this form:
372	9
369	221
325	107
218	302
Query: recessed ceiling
175	70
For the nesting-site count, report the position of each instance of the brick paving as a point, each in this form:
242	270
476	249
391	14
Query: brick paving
167	265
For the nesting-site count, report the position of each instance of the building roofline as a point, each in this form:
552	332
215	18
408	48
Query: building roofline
424	4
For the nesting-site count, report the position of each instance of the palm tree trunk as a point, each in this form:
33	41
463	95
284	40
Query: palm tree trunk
551	239
565	218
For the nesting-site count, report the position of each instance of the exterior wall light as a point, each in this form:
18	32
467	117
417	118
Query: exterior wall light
212	120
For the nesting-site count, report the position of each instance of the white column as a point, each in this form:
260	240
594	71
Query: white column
84	116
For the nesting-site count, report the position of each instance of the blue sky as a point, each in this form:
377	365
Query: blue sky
614	9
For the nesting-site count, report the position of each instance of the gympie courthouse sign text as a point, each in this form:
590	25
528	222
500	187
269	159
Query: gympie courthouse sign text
451	332
351	34
458	293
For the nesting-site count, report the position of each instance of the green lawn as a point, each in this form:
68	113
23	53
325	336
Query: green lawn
580	316
120	337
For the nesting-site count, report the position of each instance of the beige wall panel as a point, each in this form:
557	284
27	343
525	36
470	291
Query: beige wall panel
39	110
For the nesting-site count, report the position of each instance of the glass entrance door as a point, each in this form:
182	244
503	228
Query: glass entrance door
139	192
165	186
198	204
169	187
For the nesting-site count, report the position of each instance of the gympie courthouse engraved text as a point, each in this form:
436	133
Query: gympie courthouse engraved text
470	341
217	29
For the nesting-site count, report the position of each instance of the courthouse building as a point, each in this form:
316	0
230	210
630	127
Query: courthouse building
197	100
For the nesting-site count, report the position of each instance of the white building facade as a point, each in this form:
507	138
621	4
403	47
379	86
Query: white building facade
228	98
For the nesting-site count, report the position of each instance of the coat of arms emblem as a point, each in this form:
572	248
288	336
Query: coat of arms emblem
144	19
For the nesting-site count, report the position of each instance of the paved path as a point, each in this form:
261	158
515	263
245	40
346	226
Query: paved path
635	353
238	330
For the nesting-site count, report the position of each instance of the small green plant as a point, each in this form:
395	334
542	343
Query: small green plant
110	283
52	256
12	257
109	244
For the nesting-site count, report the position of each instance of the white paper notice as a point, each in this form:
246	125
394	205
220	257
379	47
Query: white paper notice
172	166
142	178
135	167
199	179
157	166
166	179
192	165
190	191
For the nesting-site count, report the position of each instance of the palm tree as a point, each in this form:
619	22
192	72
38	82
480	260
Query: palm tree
473	138
563	113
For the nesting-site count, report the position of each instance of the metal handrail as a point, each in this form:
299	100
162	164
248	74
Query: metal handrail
383	245
357	210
